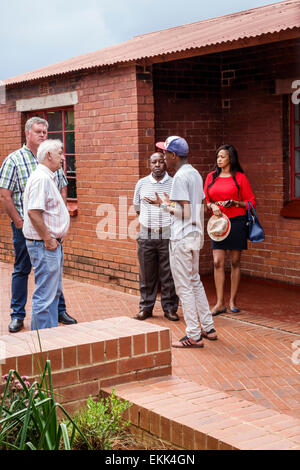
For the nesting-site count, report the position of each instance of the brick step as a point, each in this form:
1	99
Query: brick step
88	356
190	416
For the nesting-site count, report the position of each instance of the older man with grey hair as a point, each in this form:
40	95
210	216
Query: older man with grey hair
14	173
46	223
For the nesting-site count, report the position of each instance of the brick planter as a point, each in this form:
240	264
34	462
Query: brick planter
88	356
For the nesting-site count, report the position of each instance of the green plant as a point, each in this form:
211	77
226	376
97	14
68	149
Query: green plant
29	418
101	423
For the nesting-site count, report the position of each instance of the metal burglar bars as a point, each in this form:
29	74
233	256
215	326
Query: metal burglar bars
61	126
295	151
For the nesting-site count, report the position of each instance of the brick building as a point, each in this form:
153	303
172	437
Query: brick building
224	80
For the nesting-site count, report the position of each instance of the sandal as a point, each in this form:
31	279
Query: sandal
212	334
185	343
219	312
235	310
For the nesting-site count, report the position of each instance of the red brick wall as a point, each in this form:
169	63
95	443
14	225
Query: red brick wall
10	139
114	123
257	124
187	103
111	134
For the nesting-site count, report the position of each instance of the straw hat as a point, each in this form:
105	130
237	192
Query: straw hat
218	228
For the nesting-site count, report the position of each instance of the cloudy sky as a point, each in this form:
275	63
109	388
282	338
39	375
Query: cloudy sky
36	33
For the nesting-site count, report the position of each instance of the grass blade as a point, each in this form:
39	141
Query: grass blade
65	435
26	422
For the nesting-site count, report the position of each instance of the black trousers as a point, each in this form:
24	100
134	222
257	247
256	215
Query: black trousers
153	255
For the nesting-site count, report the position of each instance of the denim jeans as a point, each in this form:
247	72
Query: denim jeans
47	266
22	269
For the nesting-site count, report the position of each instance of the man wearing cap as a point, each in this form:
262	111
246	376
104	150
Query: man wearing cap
153	243
187	236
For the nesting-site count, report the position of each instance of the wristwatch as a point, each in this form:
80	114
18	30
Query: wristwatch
164	207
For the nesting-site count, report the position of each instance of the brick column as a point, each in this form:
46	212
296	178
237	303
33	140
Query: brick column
114	122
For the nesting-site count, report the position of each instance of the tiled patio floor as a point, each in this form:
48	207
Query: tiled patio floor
253	357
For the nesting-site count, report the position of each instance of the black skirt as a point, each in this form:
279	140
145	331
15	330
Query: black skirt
237	238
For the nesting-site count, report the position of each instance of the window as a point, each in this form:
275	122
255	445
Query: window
61	126
295	151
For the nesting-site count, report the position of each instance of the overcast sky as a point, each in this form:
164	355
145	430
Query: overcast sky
35	33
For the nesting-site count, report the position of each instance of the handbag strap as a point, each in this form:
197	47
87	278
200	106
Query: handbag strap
251	209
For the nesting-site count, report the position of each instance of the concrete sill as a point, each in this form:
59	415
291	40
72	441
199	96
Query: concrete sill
72	208
291	210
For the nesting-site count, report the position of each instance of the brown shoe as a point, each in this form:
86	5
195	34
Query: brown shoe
142	315
212	334
172	316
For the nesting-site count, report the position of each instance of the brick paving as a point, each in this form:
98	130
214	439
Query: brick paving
252	358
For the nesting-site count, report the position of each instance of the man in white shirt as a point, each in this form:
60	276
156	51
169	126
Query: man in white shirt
46	223
14	173
187	236
153	243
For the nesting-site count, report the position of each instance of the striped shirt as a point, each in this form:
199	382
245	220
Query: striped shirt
150	215
41	193
15	171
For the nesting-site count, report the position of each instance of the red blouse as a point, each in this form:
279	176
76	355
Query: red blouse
225	188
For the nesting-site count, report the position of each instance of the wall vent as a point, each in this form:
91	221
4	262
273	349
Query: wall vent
44	89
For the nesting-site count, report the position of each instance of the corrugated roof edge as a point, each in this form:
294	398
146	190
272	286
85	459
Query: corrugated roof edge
218	18
70	67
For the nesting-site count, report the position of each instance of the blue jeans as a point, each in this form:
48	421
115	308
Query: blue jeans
47	266
22	269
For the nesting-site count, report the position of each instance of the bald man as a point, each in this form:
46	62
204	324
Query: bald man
153	243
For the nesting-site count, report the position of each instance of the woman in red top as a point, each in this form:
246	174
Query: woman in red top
228	185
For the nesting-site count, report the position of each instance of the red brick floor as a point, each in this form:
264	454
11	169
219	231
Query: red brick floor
252	358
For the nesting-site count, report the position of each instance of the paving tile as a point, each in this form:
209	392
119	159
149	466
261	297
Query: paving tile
251	360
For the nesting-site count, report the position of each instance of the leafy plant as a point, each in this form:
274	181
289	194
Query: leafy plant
101	423
29	418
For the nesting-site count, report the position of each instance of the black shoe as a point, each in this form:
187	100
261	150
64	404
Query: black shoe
172	316
65	319
142	315
15	325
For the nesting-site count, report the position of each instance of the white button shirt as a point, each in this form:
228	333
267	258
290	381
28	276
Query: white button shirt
41	193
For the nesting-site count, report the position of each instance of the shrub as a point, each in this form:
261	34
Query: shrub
28	415
101	423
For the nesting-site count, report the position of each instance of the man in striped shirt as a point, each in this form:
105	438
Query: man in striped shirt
46	223
14	173
153	243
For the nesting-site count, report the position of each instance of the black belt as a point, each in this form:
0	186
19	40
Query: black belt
158	230
155	230
32	240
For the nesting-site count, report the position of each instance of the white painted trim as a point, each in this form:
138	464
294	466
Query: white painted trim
50	101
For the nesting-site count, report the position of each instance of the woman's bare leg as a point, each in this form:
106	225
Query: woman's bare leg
235	258
219	276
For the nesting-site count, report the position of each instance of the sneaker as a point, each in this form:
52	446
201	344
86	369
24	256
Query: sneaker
211	334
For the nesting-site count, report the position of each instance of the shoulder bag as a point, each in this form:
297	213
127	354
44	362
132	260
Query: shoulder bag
255	233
